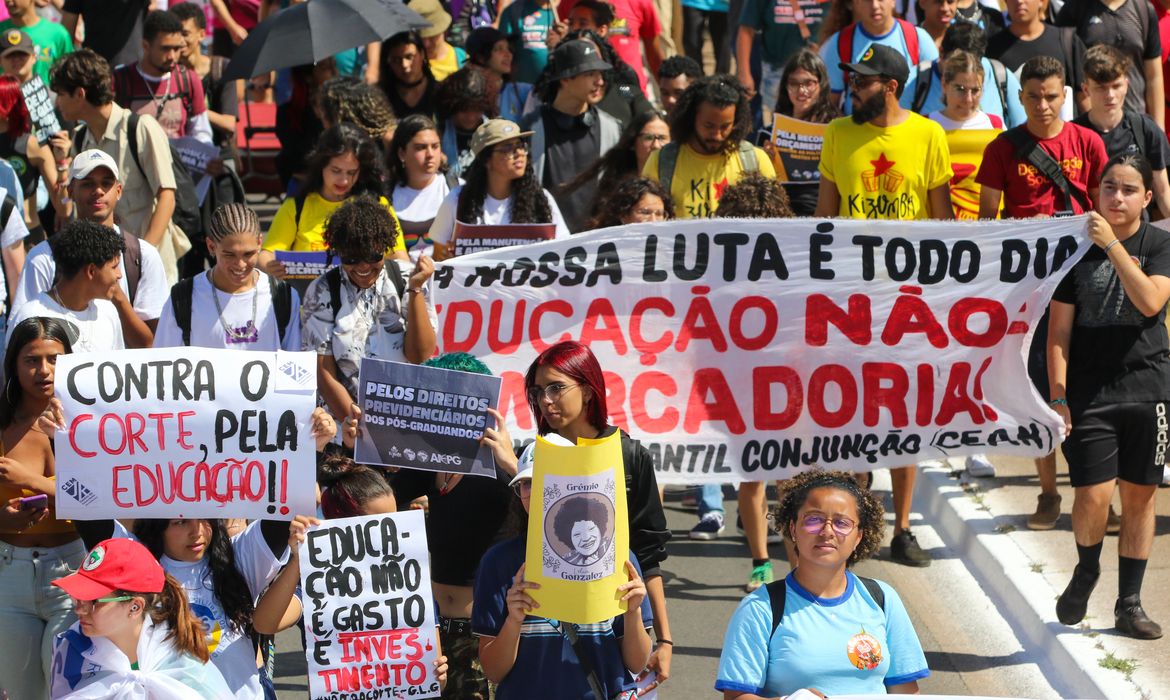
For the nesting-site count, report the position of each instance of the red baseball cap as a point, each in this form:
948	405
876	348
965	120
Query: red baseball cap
117	564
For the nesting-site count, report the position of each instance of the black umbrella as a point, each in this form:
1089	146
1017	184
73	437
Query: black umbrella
314	30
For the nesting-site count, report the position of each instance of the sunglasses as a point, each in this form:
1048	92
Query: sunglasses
370	260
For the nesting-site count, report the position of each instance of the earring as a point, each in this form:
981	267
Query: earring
134	608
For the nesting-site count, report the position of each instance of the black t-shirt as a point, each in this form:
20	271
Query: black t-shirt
462	523
1131	28
1116	354
113	28
1011	51
1123	139
571	144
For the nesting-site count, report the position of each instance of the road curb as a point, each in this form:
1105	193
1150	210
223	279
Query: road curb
1023	596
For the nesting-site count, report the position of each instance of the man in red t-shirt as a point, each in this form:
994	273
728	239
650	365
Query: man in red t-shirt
634	23
160	85
1027	192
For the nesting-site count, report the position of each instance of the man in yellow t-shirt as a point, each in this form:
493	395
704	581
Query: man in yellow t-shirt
707	149
883	161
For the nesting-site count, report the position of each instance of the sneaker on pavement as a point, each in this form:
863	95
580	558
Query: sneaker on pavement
761	576
979	466
1047	512
1113	524
1133	620
1072	604
904	549
709	527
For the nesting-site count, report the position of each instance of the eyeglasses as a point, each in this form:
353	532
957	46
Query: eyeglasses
522	487
804	85
815	525
88	605
508	149
858	81
655	214
652	139
370	260
964	90
552	392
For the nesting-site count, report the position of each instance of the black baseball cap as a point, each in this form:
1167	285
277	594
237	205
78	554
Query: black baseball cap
575	57
882	60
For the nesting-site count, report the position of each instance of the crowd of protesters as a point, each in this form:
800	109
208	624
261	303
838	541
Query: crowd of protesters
577	115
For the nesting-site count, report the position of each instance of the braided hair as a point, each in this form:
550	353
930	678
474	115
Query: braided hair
232	218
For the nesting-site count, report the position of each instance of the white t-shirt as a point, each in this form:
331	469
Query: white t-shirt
417	209
258	331
231	651
495	212
14	230
98	326
419	205
40	269
979	120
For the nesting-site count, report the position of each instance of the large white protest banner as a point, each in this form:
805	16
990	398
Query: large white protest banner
369	614
739	349
176	432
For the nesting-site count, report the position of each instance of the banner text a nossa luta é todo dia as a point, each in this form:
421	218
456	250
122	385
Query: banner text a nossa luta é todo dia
749	349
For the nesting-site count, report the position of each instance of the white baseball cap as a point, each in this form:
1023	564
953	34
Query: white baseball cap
525	466
87	161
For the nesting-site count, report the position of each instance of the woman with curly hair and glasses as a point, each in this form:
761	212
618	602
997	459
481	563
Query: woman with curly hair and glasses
345	164
635	201
823	627
500	188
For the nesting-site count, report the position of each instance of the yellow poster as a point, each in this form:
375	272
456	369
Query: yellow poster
798	149
578	530
966	146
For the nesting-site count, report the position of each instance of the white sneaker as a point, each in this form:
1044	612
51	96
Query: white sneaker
979	466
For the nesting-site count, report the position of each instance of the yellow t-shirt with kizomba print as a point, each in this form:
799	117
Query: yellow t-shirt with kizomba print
699	180
885	172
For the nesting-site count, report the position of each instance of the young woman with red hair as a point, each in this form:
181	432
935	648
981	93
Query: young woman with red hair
27	156
566	392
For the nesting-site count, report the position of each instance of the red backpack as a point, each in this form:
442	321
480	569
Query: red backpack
909	35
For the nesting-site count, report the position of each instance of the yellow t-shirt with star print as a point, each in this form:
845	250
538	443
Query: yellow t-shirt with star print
885	172
699	180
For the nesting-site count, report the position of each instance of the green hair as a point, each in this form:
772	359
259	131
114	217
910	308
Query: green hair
460	361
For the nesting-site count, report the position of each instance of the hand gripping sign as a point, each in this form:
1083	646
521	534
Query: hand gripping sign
578	530
171	433
369	613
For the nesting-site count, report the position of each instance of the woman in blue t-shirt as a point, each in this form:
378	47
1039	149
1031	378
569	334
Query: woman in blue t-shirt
533	657
823	628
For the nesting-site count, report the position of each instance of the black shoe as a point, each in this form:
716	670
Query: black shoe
904	549
1133	621
1072	604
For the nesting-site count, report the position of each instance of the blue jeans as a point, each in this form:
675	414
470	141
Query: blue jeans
711	499
34	611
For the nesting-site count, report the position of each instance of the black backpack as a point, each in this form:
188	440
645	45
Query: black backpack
184	289
186	215
778	591
333	279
